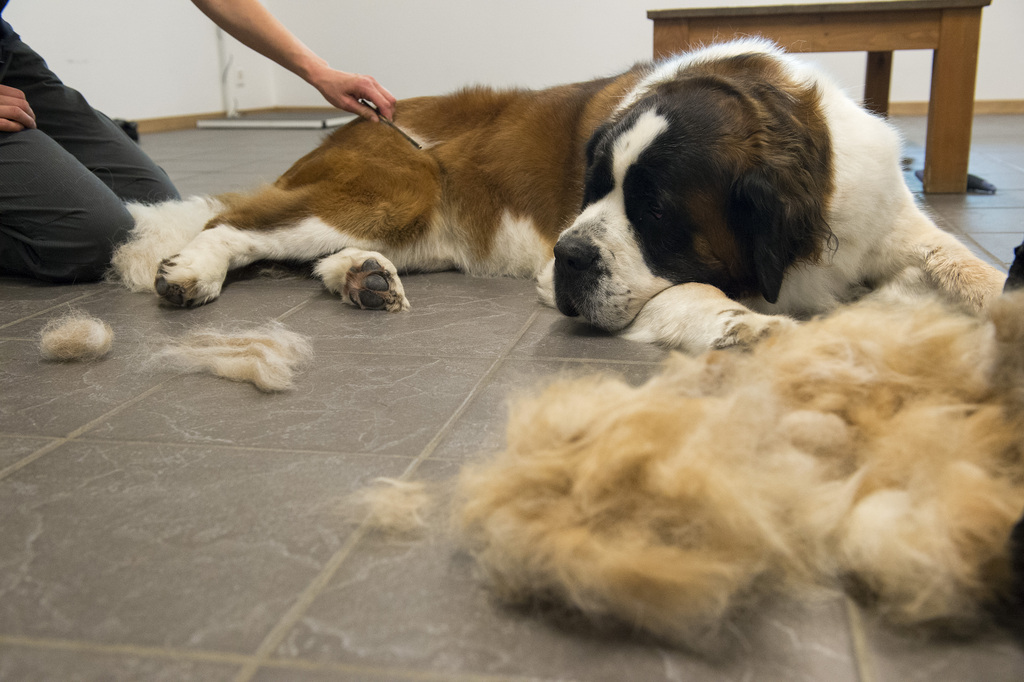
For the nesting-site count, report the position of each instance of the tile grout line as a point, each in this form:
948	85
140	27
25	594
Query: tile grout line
967	236
430	447
206	656
230	658
277	634
31	457
214	446
859	642
407	674
292	616
47	310
73	435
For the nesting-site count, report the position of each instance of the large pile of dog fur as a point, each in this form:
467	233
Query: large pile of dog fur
880	448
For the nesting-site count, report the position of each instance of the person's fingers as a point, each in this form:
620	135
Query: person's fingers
354	106
8	91
357	94
7	126
386	104
367	87
16	107
17	112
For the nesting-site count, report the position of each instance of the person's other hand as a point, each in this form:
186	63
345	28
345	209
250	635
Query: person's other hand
15	112
344	90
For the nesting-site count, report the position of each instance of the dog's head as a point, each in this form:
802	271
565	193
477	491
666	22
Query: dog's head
719	174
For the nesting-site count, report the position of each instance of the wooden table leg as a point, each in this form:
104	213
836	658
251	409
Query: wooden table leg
876	82
951	106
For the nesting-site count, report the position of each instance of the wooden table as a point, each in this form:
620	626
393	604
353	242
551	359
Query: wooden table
950	28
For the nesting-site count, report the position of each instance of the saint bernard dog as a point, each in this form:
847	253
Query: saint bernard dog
700	202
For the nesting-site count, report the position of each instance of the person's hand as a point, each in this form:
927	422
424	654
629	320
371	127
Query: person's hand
344	90
15	112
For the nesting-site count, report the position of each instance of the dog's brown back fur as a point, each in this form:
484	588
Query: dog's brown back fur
496	147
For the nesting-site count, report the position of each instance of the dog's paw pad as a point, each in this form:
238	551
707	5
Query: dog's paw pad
372	287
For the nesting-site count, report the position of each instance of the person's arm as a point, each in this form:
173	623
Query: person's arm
15	112
254	26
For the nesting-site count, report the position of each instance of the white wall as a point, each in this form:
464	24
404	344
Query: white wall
153	58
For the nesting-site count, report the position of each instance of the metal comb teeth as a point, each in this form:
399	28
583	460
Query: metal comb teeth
391	125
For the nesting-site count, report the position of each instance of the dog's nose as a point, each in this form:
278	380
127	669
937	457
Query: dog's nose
576	252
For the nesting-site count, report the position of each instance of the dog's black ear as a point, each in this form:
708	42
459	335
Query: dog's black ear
776	222
595	139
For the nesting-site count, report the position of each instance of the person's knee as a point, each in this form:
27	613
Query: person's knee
105	229
59	221
77	248
150	187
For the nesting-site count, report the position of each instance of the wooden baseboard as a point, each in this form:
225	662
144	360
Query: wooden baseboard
982	107
168	123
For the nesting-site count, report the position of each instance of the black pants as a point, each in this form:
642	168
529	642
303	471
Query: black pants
63	185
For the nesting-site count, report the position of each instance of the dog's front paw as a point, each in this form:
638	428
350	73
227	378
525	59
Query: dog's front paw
182	283
546	284
365	279
743	329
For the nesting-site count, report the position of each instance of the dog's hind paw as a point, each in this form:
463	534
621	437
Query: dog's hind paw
371	286
180	285
364	279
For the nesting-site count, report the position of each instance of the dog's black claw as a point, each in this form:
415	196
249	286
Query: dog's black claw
172	293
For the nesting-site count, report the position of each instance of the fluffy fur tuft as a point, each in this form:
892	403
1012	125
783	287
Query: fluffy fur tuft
266	357
161	230
393	506
75	336
879	448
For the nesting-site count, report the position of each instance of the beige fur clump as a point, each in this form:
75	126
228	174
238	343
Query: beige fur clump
394	506
75	337
879	448
267	357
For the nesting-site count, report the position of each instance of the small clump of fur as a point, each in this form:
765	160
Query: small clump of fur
267	357
75	337
393	506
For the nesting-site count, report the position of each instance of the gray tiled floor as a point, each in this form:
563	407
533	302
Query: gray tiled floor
158	526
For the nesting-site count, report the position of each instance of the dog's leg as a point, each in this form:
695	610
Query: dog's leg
196	274
546	284
947	265
160	230
366	279
699	317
